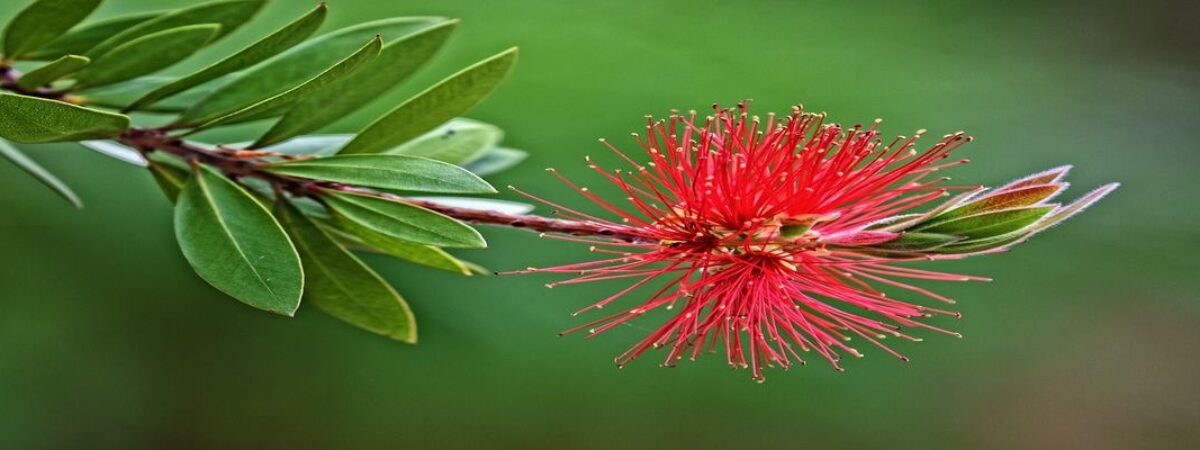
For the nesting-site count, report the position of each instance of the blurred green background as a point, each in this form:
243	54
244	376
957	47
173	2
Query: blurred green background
1084	340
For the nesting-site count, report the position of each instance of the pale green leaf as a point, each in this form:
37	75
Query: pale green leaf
396	172
283	39
401	221
18	158
52	71
117	151
235	244
495	161
484	204
230	15
426	255
81	39
34	120
343	286
43	21
397	61
449	98
275	105
146	55
297	65
319	145
458	141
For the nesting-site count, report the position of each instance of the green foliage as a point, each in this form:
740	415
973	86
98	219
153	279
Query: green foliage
459	141
79	40
396	62
15	156
325	205
340	284
230	15
395	172
296	66
34	120
359	214
273	105
286	37
146	55
235	244
43	21
436	105
50	72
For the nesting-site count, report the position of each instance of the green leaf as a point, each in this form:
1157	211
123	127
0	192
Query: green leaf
117	151
402	173
51	72
426	255
81	39
235	244
495	161
396	62
401	221
990	224
447	99
43	21
283	39
31	167
146	54
1024	196
342	285
169	178
230	15
118	96
459	141
297	65
34	120
274	105
916	241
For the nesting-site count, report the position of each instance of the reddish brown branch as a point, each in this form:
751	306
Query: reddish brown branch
232	163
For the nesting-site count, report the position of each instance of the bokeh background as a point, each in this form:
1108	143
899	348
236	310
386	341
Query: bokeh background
1086	339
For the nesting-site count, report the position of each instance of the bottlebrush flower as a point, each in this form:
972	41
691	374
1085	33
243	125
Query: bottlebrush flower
774	238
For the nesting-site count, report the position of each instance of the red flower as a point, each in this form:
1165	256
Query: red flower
770	238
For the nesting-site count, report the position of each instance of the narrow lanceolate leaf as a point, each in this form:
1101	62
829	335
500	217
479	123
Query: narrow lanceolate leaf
146	55
119	152
35	120
459	141
230	15
495	161
486	204
917	241
401	221
53	71
81	39
169	178
1024	196
235	244
297	65
396	61
447	99
14	155
1048	176
991	224
426	255
120	95
1075	207
283	39
43	21
273	106
343	286
402	173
